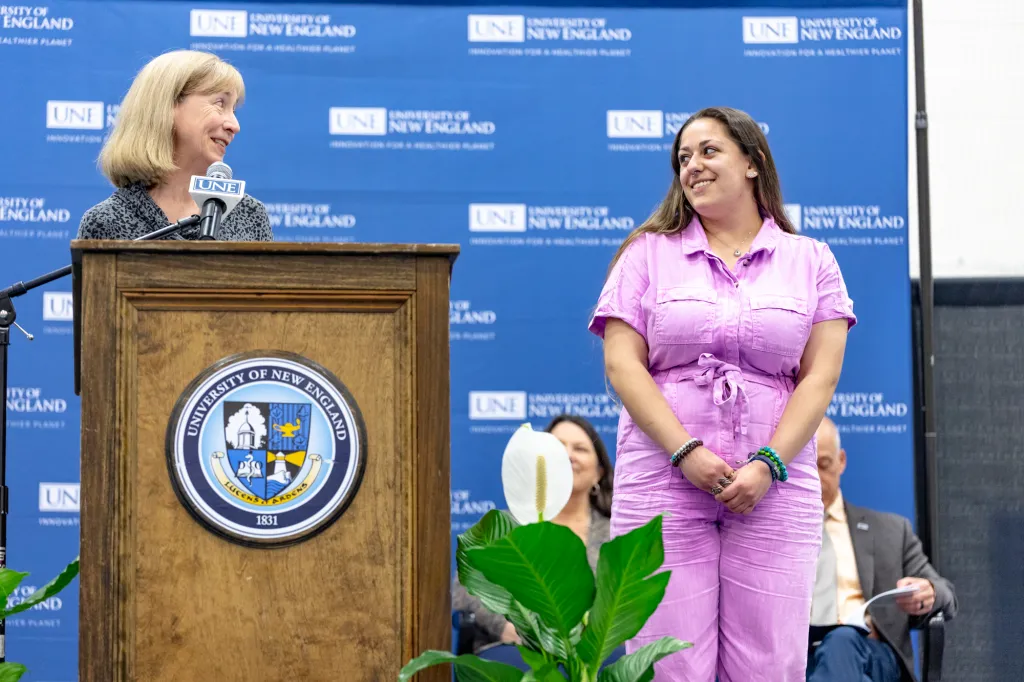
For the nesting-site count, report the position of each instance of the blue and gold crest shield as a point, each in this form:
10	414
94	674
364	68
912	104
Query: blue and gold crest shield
266	448
267	444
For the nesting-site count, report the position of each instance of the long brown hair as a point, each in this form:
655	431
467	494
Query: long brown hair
675	212
600	499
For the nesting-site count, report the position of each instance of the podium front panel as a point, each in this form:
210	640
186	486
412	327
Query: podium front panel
168	593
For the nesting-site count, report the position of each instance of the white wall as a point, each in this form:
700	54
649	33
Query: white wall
974	92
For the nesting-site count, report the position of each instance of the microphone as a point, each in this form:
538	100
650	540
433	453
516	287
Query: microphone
218	194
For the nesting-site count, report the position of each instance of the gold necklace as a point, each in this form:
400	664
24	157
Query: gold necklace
736	252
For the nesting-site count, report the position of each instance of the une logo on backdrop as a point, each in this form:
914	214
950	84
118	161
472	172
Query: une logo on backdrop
497	404
770	30
75	115
497	28
359	121
497	217
59	497
58	306
219	23
622	123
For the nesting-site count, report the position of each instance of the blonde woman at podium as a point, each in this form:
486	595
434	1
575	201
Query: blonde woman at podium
177	119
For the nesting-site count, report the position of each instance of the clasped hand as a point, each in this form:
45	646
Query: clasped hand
744	488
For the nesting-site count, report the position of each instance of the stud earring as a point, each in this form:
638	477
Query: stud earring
751	174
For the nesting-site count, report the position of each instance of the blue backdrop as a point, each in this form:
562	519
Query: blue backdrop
535	137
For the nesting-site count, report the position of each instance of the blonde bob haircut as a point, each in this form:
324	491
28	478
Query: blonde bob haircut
140	147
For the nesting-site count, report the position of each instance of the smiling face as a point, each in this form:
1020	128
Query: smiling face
204	126
713	169
586	468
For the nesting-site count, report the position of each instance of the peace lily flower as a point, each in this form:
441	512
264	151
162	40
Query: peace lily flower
536	475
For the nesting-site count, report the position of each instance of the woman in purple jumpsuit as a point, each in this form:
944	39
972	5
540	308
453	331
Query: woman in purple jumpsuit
724	333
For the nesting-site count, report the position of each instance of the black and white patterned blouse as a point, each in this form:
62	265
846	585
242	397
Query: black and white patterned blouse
130	213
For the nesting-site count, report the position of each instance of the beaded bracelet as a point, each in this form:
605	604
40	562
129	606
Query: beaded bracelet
774	456
687	447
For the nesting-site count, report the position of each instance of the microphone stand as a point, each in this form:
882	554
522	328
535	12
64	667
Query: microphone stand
8	315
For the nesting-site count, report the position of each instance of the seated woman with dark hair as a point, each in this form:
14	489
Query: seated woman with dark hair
587	513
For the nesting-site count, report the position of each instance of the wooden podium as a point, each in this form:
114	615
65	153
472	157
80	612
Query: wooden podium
168	595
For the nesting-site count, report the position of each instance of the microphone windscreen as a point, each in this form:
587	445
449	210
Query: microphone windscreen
219	169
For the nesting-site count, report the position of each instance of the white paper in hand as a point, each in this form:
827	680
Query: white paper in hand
858	618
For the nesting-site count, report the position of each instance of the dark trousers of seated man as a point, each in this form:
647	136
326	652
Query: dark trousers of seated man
847	654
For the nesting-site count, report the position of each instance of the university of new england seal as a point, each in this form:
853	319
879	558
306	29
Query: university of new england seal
266	449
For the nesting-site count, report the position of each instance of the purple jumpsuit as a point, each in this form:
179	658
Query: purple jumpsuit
724	348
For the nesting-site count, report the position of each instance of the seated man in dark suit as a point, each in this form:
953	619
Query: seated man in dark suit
864	553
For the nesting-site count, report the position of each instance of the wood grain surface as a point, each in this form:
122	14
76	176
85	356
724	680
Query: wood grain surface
162	598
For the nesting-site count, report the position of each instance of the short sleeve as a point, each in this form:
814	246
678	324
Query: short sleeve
833	300
626	284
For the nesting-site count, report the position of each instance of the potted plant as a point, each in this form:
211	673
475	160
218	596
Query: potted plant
535	573
9	581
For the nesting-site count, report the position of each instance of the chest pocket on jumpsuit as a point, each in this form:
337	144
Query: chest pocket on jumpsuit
684	315
781	324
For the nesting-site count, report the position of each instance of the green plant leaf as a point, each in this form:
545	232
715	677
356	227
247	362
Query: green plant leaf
11	672
546	673
542	668
576	635
45	592
544	566
494	526
534	659
639	665
626	596
536	635
526	624
9	581
578	671
467	668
